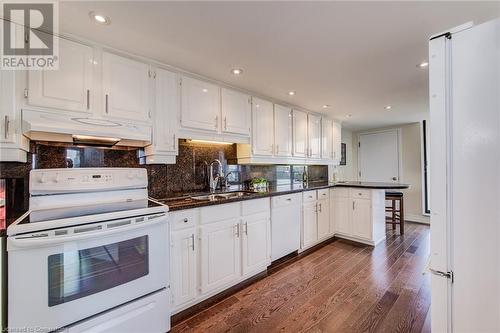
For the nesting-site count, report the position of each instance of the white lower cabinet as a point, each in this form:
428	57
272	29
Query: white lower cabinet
216	247
220	254
358	214
315	218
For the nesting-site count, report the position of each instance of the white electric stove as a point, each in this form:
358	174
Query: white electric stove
91	255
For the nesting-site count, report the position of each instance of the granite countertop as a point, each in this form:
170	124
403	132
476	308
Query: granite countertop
186	201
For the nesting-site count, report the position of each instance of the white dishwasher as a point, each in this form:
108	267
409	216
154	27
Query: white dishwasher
286	212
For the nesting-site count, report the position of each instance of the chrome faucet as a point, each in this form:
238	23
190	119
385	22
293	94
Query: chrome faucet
213	181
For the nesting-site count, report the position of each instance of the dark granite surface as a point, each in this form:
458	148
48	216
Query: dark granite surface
186	202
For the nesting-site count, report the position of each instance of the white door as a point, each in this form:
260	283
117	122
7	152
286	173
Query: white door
236	112
166	114
282	131
200	106
126	88
323	219
337	141
220	254
309	224
327	139
256	243
378	155
262	127
70	86
299	134
314	135
183	266
342	209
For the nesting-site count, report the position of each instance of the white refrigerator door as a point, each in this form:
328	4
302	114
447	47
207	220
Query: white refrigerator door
465	179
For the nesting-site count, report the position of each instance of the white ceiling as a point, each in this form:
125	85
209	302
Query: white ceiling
355	56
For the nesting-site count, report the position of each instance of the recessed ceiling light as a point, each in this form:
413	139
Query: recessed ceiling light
326	106
291	93
100	18
204	90
423	64
387	107
237	71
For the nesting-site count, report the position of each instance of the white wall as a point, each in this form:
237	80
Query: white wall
411	169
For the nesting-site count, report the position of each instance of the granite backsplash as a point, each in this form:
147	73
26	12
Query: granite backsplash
187	175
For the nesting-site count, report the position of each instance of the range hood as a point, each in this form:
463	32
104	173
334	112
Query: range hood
48	126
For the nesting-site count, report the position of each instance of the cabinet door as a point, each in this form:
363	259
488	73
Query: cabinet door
282	131
323	219
299	134
309	224
183	267
236	112
342	209
326	139
337	140
7	108
256	243
314	135
126	88
70	86
220	254
200	105
166	115
361	218
262	127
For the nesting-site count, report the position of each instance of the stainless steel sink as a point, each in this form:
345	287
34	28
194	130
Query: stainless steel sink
221	196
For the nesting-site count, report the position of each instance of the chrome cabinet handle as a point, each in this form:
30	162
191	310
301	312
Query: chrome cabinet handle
216	121
186	220
225	123
237	230
277	148
6	124
289	199
353	205
320	208
88	99
246	228
192	244
107	97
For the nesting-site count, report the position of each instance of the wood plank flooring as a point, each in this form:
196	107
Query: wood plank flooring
341	287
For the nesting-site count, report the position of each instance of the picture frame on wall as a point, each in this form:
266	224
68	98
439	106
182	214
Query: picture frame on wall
343	158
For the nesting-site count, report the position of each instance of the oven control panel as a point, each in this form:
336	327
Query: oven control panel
46	181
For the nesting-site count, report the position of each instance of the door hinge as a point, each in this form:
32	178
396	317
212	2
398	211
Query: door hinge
448	275
26	93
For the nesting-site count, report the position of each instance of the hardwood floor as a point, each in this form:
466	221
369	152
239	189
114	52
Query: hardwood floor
341	287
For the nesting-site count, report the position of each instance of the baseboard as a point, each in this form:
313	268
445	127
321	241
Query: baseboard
417	218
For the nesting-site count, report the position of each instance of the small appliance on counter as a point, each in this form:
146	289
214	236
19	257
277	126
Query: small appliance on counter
90	255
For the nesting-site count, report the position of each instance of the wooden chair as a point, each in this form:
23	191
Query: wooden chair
395	210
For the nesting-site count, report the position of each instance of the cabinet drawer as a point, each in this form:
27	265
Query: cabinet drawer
309	196
323	194
286	200
219	212
341	192
255	206
184	219
360	193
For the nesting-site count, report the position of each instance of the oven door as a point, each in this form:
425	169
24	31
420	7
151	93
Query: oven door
62	276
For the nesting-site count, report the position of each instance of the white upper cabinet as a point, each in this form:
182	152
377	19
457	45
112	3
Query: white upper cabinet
299	134
314	136
69	87
337	140
282	131
327	139
262	127
236	112
165	117
125	84
200	105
